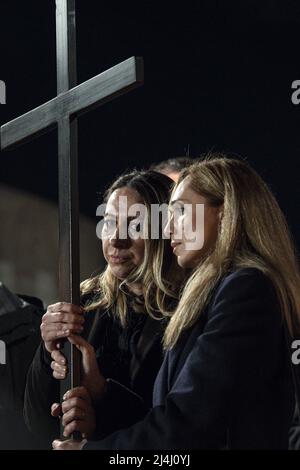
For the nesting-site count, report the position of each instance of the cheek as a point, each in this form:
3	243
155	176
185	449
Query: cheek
104	247
179	228
210	232
138	250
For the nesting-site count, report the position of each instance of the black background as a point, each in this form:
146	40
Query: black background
218	76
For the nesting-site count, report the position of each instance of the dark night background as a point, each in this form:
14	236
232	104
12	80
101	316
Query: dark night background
218	76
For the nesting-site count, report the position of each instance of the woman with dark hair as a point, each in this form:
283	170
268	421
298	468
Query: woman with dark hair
226	378
122	316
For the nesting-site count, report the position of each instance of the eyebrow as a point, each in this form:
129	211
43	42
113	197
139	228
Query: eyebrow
179	201
108	214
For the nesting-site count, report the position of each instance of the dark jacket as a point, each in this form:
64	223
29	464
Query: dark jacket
19	329
226	383
131	356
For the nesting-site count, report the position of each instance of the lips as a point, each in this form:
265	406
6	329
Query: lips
116	259
174	245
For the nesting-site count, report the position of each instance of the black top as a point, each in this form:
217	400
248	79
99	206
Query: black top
131	355
226	384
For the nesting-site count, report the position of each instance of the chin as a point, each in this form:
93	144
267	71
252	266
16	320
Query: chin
187	262
119	273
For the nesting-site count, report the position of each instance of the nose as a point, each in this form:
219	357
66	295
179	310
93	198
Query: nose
118	242
169	228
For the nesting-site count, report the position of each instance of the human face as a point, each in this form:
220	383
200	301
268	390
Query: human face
122	255
180	218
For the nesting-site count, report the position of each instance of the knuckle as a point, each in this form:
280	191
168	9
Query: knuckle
59	317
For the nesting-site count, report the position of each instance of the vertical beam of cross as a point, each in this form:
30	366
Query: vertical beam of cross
62	111
69	264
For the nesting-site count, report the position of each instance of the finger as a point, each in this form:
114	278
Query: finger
58	357
56	410
58	376
59	369
50	330
65	307
80	426
69	444
57	444
86	349
46	327
75	402
56	334
89	361
56	317
66	328
60	445
77	392
74	414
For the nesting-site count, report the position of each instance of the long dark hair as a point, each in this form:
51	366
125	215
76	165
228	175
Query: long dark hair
159	273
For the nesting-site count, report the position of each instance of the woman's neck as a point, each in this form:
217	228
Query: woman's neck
136	289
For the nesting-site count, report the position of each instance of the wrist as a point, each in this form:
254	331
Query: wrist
99	391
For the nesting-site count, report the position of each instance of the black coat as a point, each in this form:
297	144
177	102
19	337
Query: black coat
227	382
132	356
19	329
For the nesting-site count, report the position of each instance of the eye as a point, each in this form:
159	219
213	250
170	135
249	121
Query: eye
179	210
109	224
135	226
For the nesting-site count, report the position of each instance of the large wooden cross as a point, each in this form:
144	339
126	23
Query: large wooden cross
62	111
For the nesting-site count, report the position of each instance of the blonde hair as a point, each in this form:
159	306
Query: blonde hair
159	273
253	233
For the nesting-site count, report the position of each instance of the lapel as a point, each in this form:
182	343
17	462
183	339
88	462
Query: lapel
151	333
179	354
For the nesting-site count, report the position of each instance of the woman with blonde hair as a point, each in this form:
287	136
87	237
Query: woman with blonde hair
122	316
226	377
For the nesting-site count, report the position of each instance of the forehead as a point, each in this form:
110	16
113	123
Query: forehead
130	195
185	193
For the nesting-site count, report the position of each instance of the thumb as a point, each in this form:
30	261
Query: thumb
81	344
56	410
87	351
